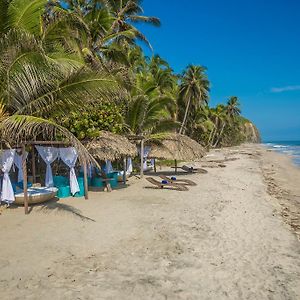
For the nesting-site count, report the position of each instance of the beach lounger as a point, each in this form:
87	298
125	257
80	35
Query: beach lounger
178	181
168	185
191	169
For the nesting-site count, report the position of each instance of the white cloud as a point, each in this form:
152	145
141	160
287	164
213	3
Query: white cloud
285	89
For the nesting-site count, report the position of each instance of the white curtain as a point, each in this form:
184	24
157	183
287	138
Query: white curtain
129	165
18	163
147	150
7	160
49	155
152	162
69	157
108	167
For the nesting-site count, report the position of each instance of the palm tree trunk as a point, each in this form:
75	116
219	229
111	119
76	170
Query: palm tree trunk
220	135
210	138
185	116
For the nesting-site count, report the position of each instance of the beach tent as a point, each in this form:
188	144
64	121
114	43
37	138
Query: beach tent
109	146
173	146
49	152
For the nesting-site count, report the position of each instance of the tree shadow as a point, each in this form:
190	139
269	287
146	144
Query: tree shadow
54	206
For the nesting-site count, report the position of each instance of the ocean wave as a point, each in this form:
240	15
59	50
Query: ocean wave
292	150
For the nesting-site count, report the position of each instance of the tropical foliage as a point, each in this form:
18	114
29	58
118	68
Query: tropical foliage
69	69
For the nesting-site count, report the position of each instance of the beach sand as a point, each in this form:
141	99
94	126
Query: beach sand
233	236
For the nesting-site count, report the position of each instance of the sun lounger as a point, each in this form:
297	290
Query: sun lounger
191	169
167	185
178	181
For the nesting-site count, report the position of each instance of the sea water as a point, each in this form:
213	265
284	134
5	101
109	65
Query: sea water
291	148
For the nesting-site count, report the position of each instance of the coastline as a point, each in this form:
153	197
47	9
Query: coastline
232	236
282	176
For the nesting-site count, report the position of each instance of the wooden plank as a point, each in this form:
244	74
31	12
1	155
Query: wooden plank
24	167
142	159
33	165
85	179
124	169
48	143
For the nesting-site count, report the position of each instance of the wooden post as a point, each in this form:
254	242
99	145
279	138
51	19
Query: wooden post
154	165
142	159
33	165
175	166
24	167
124	169
85	179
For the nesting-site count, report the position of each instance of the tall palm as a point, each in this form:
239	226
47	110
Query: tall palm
220	118
194	89
233	107
110	23
126	13
149	110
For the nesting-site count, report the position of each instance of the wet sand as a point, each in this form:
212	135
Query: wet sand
233	236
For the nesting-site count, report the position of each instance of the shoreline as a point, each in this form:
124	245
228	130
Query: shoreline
231	236
282	177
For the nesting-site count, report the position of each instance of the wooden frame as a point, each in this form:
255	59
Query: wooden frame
24	167
140	138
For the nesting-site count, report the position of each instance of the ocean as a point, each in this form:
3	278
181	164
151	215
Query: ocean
291	148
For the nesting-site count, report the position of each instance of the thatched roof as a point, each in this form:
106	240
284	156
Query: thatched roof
110	146
174	146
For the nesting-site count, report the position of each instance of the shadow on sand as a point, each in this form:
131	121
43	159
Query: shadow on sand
54	206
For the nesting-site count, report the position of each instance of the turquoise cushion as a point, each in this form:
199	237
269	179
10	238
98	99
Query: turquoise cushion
64	191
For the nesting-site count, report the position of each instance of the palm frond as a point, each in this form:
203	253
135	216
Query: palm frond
21	128
39	93
26	14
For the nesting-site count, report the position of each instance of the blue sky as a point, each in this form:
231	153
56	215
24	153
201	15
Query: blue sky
251	50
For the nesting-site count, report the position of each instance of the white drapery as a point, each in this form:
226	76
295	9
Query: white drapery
18	163
147	150
7	160
108	167
49	155
69	157
129	165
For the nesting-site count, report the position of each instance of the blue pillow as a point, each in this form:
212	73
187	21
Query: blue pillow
173	178
164	181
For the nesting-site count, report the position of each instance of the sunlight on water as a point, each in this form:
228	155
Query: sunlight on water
291	148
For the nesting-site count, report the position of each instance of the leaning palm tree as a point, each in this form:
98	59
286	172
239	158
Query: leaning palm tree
233	107
125	14
194	90
149	113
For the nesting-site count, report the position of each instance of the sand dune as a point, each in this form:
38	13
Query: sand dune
226	238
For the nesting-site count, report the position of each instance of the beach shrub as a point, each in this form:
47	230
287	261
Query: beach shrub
88	123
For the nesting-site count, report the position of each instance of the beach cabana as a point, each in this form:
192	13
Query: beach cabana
49	151
110	147
172	146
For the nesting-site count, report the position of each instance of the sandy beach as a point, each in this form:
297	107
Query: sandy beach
233	236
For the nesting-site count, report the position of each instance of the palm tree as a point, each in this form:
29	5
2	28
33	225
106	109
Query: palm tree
126	13
109	24
233	107
219	117
194	89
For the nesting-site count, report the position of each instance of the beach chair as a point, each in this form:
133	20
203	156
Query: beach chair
167	185
178	181
193	170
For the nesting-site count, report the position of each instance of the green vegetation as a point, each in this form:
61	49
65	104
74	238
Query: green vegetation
73	70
